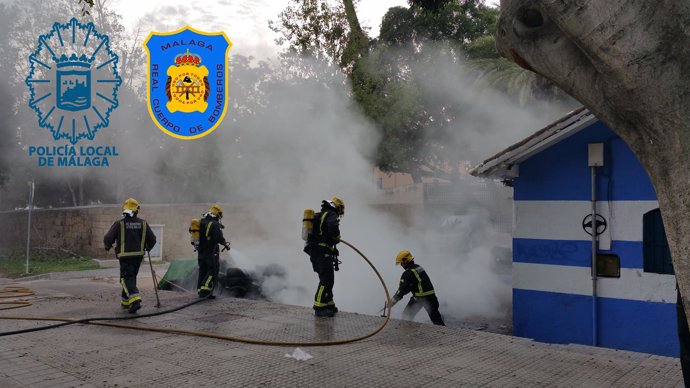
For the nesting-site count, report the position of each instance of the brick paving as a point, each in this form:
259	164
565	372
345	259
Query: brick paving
404	354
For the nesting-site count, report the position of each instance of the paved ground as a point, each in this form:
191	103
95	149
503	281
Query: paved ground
404	354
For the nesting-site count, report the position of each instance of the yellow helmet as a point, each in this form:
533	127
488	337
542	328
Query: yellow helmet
339	205
131	204
403	257
216	210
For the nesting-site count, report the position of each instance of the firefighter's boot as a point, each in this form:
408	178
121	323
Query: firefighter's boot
134	306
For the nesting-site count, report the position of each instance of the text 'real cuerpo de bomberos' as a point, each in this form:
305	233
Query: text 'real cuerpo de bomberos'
72	156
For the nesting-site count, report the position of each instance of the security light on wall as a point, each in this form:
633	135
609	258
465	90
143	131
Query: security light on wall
596	154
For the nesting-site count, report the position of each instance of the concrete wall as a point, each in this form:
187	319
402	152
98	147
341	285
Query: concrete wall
81	229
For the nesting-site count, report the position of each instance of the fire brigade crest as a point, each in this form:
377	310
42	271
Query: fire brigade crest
188	81
73	81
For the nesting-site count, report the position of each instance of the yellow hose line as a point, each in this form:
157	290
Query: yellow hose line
240	339
16	292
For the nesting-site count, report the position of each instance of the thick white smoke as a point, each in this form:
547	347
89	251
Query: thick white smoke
305	141
314	144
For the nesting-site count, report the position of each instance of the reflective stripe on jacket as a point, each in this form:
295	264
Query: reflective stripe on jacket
211	235
132	237
414	280
327	235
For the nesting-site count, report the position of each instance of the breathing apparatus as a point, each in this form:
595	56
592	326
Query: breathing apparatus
194	230
307	223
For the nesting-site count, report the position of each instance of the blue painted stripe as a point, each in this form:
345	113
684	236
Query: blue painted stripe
561	172
622	324
574	253
639	326
552	317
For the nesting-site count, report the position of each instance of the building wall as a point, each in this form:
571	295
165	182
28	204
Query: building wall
552	286
80	230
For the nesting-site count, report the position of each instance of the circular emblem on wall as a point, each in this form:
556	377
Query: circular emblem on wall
587	224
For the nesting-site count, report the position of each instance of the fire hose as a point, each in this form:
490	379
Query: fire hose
100	320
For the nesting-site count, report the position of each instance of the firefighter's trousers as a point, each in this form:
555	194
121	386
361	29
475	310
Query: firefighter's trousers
430	304
129	269
322	264
209	265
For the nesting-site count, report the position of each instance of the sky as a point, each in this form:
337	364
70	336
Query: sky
244	22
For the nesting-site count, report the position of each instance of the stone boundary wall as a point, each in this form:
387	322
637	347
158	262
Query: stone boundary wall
81	229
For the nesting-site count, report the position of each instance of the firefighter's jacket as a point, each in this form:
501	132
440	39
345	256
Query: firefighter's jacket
210	235
326	233
132	236
415	280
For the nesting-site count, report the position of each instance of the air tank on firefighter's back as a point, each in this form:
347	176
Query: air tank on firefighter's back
307	223
194	229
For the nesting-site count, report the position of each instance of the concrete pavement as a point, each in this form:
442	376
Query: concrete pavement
404	354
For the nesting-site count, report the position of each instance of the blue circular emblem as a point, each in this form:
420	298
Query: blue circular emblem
73	81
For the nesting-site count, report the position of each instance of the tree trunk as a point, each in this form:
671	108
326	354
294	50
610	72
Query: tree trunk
358	42
628	61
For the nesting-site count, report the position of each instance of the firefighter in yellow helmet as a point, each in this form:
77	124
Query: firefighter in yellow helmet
415	280
210	237
322	251
132	236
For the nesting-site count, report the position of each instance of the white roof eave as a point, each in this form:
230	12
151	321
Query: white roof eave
502	165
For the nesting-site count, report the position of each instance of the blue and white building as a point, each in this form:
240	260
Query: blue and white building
630	303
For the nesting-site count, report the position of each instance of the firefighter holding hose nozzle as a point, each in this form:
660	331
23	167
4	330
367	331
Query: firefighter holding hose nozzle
322	236
415	280
210	237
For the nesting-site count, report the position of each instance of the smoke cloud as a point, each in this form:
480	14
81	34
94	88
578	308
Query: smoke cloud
294	138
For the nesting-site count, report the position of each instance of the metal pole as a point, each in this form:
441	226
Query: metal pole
594	257
155	282
28	229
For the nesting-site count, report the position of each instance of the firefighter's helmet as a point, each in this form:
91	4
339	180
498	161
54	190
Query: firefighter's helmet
339	205
131	204
216	210
403	257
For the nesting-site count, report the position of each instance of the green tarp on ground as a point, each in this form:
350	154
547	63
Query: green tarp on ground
181	272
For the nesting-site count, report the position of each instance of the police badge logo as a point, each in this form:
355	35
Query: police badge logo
188	81
73	81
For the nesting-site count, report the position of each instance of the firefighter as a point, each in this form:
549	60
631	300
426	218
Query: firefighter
210	237
132	237
415	280
322	251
